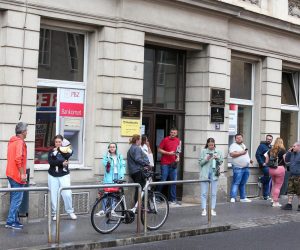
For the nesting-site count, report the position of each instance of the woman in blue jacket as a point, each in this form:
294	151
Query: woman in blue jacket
114	164
114	169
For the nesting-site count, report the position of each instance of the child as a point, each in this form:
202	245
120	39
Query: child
63	153
114	165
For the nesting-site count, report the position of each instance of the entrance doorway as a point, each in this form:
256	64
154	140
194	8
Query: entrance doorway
157	126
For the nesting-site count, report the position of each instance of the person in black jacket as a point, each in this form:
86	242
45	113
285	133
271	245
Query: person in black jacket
137	160
264	147
58	177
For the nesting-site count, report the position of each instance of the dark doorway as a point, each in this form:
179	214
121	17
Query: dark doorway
157	127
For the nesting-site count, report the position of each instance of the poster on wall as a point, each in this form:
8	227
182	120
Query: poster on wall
71	103
233	115
129	127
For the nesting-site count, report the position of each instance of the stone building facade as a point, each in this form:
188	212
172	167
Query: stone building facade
167	54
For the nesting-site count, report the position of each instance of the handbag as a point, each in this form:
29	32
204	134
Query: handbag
218	169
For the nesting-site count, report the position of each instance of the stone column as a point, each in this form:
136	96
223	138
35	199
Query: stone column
11	62
205	70
11	57
271	97
120	74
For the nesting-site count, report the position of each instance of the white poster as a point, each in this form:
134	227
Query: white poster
233	117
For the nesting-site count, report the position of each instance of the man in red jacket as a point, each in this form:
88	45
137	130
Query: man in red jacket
16	172
170	148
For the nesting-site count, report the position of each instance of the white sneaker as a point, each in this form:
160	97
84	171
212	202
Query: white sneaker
204	213
100	213
54	218
245	200
73	216
276	204
232	200
213	212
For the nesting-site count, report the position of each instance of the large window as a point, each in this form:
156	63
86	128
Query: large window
289	107
61	55
164	78
241	100
61	92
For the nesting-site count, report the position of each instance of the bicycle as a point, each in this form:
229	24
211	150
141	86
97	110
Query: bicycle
110	210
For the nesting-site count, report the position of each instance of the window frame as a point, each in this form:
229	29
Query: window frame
154	104
59	84
246	102
293	108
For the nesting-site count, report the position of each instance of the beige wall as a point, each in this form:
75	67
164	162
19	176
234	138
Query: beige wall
117	31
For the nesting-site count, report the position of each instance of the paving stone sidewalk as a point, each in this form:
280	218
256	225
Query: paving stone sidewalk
185	218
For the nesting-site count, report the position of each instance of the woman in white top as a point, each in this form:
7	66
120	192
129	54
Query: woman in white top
145	145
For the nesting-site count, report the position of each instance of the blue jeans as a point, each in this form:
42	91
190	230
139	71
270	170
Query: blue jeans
15	202
266	181
239	180
168	171
204	188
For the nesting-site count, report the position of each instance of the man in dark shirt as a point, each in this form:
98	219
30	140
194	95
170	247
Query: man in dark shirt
292	160
264	147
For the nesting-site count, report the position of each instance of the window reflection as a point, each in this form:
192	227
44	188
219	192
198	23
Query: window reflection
61	55
289	92
164	78
240	80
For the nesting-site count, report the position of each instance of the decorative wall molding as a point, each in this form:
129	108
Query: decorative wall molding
256	2
294	8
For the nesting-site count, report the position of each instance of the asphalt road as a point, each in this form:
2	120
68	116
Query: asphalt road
285	236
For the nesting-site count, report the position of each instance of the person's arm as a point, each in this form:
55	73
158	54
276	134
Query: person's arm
204	158
258	156
235	154
267	159
219	157
164	152
139	157
19	161
52	160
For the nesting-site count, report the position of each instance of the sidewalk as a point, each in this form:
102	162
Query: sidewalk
185	219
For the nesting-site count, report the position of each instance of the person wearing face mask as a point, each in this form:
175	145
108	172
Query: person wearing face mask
265	180
210	161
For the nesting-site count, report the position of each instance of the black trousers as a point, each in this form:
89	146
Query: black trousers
138	178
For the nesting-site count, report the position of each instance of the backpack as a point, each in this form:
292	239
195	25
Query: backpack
273	162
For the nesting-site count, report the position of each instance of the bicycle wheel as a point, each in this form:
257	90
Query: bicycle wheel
107	213
158	210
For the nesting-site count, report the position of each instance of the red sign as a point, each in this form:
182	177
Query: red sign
46	100
71	109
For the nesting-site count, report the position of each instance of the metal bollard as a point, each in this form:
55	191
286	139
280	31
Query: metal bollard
209	204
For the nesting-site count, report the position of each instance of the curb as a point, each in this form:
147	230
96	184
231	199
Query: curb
168	235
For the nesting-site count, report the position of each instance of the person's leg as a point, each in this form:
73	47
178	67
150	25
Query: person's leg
290	192
164	176
266	182
65	181
214	185
173	177
15	202
236	180
138	178
53	185
204	187
244	179
276	185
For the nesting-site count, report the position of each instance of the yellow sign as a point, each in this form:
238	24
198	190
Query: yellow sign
130	127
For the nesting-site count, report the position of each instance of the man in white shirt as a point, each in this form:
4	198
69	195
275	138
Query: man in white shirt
240	167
